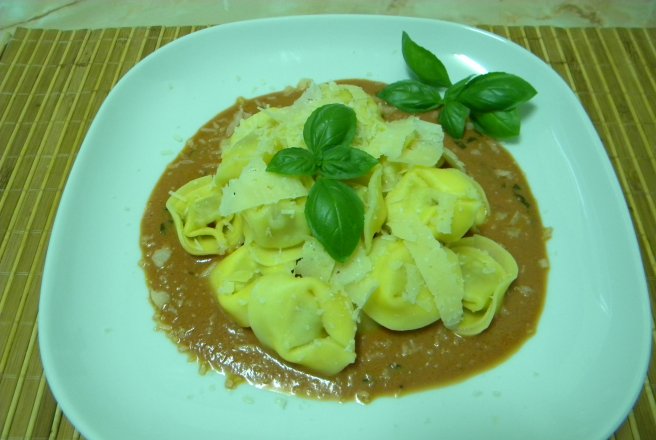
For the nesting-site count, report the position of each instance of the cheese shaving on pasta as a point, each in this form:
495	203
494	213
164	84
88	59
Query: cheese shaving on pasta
255	187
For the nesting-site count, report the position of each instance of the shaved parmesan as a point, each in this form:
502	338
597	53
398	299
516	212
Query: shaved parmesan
440	270
256	187
410	141
315	261
354	270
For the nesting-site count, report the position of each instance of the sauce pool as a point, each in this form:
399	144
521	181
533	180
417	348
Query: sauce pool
388	362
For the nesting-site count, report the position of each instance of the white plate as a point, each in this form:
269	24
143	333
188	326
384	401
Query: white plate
115	377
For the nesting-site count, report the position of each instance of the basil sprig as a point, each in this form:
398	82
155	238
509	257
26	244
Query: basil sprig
333	211
489	100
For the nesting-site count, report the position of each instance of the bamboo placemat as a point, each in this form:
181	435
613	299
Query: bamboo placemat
53	82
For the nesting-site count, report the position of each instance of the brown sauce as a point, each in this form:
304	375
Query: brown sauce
388	362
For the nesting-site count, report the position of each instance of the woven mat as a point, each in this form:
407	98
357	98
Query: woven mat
53	82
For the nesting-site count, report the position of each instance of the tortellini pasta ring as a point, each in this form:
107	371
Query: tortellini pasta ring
304	321
446	200
401	300
233	277
488	271
201	230
277	226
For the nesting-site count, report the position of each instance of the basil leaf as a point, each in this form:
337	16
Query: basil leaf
423	63
293	162
411	96
346	163
496	91
453	118
329	126
453	92
335	216
501	124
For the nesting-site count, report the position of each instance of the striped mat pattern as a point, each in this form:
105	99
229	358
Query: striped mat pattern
53	82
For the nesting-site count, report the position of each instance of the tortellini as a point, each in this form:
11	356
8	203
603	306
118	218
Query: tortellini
401	300
375	210
304	321
210	220
201	230
301	318
446	200
418	262
233	278
277	226
488	269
